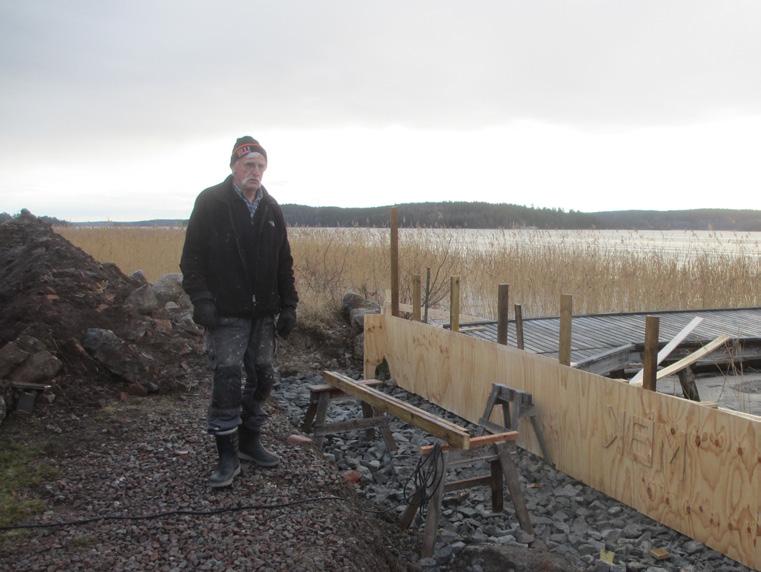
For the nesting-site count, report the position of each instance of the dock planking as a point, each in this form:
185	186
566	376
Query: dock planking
595	334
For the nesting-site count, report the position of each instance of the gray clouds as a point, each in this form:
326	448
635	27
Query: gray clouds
174	69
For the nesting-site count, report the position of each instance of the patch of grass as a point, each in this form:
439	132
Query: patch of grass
20	470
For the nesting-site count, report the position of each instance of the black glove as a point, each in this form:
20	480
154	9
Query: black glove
205	313
286	321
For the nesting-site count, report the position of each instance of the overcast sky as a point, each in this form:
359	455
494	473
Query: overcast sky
126	110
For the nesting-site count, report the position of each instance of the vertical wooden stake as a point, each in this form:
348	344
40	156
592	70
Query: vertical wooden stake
416	297
427	293
566	311
502	308
454	303
650	356
519	326
394	262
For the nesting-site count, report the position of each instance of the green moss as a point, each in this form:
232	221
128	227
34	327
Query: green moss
21	469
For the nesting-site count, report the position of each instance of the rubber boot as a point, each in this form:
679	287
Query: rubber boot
251	449
229	465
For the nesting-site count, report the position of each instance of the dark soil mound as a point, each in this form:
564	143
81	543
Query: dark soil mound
52	294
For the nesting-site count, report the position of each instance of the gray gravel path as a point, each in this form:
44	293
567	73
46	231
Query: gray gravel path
151	455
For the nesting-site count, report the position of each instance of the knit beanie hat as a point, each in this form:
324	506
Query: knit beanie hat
245	145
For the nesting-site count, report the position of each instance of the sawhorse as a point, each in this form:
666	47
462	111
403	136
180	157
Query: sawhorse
493	449
320	397
515	404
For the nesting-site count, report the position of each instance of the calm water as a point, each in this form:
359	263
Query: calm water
676	243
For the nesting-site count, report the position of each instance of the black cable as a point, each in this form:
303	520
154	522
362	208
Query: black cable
180	512
426	478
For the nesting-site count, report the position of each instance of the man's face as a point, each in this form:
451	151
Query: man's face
248	172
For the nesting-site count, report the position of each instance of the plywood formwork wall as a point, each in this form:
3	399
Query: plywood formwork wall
690	467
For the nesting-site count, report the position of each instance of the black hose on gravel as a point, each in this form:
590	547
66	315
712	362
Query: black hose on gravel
180	512
425	478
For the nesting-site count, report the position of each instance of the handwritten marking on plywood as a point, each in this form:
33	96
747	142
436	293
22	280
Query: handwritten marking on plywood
693	468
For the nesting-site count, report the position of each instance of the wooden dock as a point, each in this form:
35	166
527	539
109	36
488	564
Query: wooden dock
598	335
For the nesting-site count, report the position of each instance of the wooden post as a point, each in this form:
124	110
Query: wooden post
454	303
394	262
566	311
519	326
416	297
687	379
427	293
650	357
502	308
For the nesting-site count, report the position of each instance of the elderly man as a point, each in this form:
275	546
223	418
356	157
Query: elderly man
238	271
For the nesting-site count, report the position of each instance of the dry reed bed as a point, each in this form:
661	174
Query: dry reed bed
603	275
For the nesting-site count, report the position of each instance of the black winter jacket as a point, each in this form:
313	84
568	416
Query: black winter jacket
245	266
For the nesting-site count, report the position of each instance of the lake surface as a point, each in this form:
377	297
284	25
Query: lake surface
679	244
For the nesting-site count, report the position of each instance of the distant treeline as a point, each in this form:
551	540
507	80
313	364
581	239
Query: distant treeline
487	215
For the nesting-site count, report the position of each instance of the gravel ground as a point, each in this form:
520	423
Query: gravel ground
571	520
151	455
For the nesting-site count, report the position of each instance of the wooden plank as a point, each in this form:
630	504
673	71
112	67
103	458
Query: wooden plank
519	326
454	303
510	474
315	390
566	312
650	353
484	481
611	360
693	357
416	300
669	347
692	468
451	433
434	512
476	442
351	425
394	261
374	344
503	294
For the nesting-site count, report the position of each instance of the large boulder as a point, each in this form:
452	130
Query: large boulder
115	354
41	366
11	356
168	288
352	301
143	299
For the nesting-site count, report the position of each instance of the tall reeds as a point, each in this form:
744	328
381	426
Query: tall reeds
604	271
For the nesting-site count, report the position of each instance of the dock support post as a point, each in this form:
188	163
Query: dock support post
566	311
416	297
394	262
502	308
519	326
650	357
454	303
427	293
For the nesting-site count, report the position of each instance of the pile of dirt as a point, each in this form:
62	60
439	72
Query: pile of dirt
58	304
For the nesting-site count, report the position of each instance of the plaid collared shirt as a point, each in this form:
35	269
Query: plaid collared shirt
252	205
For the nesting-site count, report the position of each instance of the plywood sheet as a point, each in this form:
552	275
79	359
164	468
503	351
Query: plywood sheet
695	469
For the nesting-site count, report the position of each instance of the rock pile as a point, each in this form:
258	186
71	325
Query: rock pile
83	327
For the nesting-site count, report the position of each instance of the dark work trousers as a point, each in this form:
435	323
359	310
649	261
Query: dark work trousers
236	344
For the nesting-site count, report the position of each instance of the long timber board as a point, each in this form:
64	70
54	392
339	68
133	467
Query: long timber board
693	468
